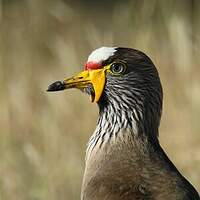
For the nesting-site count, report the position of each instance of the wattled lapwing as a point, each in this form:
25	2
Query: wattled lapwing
124	159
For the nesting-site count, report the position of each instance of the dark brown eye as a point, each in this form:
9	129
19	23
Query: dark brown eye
118	68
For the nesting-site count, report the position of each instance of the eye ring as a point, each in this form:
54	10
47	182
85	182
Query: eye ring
118	68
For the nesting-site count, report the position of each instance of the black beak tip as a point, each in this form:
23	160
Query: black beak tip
58	85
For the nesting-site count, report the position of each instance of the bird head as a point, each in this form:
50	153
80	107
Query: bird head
123	77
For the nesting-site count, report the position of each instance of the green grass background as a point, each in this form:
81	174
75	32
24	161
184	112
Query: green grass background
43	136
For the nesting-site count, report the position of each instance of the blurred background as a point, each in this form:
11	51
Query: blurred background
43	135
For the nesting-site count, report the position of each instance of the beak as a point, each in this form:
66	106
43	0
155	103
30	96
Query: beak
83	81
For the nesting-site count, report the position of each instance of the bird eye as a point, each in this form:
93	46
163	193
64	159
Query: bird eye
118	68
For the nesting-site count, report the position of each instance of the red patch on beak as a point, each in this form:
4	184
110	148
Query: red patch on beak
92	65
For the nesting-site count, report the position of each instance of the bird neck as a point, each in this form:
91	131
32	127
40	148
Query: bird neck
121	121
121	139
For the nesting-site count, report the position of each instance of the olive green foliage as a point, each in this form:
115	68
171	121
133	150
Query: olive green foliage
43	135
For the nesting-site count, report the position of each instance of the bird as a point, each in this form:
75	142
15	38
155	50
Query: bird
124	159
